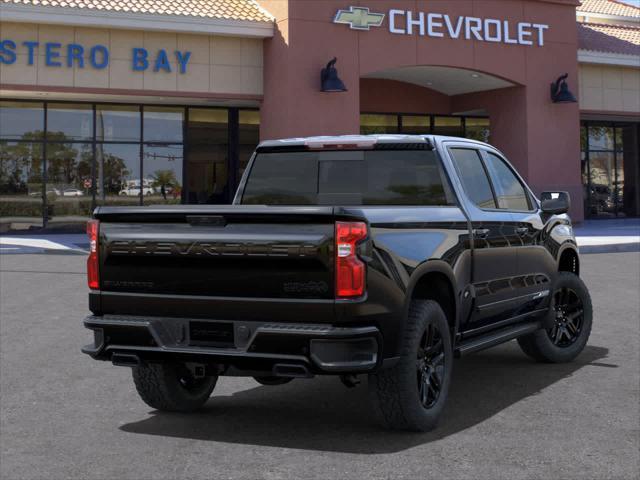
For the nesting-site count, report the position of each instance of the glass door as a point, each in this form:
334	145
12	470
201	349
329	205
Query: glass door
610	169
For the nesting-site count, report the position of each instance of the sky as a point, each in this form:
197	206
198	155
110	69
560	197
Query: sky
635	3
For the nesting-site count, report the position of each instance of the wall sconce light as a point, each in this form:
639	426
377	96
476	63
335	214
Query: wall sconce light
560	92
329	80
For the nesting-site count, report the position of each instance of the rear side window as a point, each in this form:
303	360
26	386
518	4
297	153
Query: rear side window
473	176
395	177
509	190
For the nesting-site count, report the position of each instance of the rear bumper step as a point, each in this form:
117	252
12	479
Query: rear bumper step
304	349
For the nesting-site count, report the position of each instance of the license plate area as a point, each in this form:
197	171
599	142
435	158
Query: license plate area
211	334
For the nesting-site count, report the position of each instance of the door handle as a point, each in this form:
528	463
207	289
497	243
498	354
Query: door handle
481	233
522	231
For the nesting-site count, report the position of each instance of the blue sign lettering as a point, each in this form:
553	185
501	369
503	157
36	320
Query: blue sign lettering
140	62
99	52
97	56
183	59
162	62
51	53
75	54
7	52
31	47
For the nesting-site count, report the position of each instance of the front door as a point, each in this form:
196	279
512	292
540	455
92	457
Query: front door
536	265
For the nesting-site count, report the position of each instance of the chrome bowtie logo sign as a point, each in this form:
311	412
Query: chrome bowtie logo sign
359	18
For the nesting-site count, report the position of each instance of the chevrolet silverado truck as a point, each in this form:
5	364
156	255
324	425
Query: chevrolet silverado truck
386	256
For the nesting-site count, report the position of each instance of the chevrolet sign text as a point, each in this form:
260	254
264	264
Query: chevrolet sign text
442	25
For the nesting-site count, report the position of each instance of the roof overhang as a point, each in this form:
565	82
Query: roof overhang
446	80
607	16
607	58
134	21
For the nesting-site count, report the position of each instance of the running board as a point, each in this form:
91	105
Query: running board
494	338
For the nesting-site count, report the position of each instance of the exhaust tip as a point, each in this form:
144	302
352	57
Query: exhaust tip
125	360
291	371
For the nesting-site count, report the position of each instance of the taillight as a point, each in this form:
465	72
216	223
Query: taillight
93	279
350	270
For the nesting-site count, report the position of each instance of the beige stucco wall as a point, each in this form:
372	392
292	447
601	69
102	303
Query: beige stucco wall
609	88
218	65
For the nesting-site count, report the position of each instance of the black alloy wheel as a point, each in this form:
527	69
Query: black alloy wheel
430	366
569	311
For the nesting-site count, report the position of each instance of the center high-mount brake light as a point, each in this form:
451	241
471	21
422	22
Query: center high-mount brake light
350	270
93	279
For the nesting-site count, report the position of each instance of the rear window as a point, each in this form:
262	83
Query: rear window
405	177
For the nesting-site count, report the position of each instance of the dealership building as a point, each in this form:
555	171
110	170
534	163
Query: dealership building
109	102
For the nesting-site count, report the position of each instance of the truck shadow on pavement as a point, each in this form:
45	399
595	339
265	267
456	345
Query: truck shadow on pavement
321	414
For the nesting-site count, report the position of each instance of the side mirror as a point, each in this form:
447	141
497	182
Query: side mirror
555	203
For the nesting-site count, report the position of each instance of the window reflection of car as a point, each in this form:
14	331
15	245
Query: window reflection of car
601	199
134	191
72	192
50	191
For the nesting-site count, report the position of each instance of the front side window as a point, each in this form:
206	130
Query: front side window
349	178
473	176
509	190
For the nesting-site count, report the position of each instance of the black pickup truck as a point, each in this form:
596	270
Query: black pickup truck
381	255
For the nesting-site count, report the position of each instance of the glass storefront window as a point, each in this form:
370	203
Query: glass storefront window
69	179
21	120
163	124
602	184
118	174
21	184
118	123
110	154
377	124
450	126
248	138
67	122
477	129
416	124
207	155
601	138
162	168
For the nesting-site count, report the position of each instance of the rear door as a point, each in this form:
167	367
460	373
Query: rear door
494	239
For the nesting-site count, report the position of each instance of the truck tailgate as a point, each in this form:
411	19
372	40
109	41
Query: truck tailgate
227	251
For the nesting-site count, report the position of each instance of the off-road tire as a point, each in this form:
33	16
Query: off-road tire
540	346
272	381
163	387
394	392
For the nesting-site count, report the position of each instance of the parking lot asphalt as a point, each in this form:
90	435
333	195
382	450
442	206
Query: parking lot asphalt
63	415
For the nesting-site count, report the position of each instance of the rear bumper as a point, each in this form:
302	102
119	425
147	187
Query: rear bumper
237	347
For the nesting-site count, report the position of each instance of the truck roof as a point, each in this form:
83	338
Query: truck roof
358	140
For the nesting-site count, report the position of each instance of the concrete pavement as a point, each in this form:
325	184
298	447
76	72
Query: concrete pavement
63	415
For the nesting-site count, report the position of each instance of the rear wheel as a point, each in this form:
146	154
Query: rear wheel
412	394
272	380
573	312
172	387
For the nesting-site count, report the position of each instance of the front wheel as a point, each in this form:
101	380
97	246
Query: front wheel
172	387
573	312
412	394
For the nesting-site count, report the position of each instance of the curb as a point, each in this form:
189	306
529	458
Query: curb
619	248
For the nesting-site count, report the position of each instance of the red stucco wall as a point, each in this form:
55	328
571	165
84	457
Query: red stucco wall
540	138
